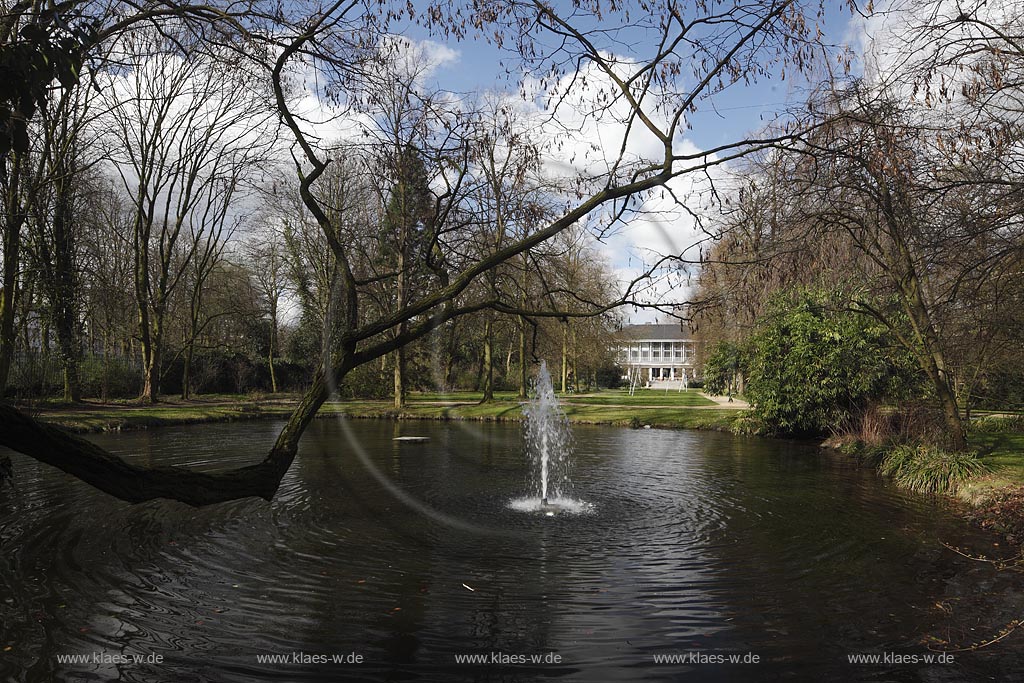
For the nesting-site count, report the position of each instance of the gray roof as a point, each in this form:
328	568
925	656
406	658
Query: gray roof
637	332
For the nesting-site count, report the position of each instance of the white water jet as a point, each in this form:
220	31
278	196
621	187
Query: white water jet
549	446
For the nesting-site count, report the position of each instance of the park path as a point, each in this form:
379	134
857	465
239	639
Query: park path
724	401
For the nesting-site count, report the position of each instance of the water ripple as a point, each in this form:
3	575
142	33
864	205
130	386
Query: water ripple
688	542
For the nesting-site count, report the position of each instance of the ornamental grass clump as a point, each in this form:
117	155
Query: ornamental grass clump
928	469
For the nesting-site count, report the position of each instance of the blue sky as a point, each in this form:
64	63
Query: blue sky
737	110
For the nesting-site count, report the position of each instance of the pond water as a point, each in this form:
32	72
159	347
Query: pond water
407	557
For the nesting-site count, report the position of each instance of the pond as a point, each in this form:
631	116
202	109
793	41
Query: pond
700	555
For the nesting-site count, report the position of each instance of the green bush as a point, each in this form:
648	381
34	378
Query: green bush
927	469
812	363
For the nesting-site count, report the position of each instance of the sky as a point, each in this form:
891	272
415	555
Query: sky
474	66
660	226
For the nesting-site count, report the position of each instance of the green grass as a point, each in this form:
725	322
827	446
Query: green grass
669	418
931	470
105	418
642	397
602	408
675	418
462	396
1003	453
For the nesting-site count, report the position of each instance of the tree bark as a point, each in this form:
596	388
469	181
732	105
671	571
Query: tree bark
400	378
929	349
488	363
16	217
399	387
522	357
273	376
186	373
273	343
150	369
565	356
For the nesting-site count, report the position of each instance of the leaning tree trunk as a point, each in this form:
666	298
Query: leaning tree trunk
129	482
930	355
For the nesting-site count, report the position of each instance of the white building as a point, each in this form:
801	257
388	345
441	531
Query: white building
657	355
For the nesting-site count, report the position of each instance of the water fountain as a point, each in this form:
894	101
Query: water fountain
549	445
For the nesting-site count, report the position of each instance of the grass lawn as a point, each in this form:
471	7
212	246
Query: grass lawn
106	417
675	418
461	396
1004	453
658	409
642	397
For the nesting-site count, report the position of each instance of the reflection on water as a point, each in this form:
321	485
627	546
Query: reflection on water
409	555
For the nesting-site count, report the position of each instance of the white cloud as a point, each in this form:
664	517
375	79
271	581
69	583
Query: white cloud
591	136
586	135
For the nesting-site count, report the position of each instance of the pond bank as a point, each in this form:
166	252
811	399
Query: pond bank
990	496
93	416
994	501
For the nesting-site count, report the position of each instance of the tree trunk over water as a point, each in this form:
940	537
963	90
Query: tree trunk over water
129	482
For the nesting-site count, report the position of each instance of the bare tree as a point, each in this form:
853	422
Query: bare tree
266	257
184	136
716	45
512	198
